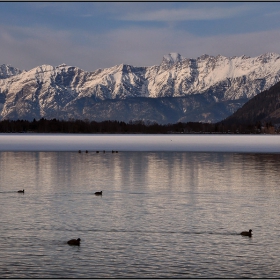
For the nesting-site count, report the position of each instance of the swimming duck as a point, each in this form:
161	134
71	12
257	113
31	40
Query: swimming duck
98	193
21	191
247	233
74	242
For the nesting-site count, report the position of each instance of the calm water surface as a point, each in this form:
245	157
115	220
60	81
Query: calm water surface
162	214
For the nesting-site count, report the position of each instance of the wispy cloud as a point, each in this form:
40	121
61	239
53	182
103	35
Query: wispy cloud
97	35
272	14
26	48
186	14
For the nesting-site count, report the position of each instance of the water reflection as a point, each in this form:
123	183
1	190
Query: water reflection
173	169
161	214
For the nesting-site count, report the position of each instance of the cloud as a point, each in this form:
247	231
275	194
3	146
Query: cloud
212	13
272	14
146	47
26	48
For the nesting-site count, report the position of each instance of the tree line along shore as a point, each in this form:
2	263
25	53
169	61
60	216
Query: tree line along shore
119	127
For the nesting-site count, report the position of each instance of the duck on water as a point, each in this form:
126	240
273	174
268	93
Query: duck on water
98	193
75	242
21	191
247	233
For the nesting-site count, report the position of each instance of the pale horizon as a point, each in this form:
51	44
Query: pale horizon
34	142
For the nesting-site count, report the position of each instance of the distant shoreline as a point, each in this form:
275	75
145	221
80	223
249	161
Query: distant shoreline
140	142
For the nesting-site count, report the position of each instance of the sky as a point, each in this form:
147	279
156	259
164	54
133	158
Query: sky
93	35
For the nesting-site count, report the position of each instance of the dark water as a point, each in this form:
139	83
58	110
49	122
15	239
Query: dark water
169	214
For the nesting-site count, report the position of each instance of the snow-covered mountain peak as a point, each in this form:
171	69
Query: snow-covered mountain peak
47	90
203	57
42	68
7	71
270	55
62	65
170	59
173	57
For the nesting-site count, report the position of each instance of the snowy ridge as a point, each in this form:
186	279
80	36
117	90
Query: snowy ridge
7	71
190	76
46	90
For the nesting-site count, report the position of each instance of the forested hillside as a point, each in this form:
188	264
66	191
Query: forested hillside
264	108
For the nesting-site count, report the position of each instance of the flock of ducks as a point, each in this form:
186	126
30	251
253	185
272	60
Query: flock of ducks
97	151
76	242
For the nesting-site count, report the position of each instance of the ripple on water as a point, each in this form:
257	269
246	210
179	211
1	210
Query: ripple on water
162	215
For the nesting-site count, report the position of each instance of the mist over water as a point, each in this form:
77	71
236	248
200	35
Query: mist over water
162	214
135	142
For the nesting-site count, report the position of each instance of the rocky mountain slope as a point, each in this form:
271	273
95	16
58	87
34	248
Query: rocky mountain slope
205	89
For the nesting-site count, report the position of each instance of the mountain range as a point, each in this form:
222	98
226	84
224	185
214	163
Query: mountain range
205	89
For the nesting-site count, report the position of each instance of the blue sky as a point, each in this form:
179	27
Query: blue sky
93	35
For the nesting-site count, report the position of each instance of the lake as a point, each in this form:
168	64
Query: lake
170	214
